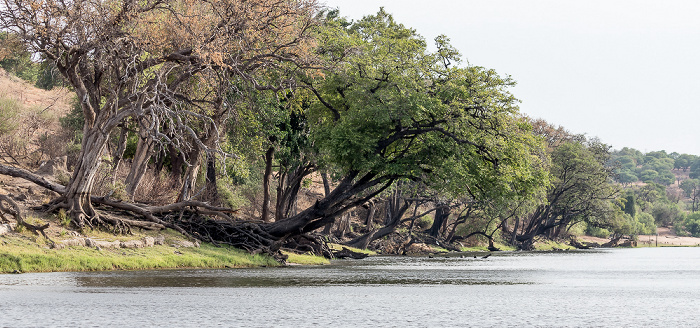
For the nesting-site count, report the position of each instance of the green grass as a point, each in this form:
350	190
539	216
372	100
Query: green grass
19	255
550	245
306	259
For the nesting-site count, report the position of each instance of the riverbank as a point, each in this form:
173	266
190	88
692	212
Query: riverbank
20	254
23	252
666	237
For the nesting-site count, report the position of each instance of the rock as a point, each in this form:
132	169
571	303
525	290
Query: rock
53	166
148	241
70	242
185	243
5	228
160	240
89	242
131	244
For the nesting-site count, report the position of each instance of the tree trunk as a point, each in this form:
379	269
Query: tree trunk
190	178
441	215
177	161
266	184
346	195
326	191
343	226
514	235
144	150
288	189
391	225
119	153
212	189
77	195
326	183
369	221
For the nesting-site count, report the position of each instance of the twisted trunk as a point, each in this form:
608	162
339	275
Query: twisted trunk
144	150
76	197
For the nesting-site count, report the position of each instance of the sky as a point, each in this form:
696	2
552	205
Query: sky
627	72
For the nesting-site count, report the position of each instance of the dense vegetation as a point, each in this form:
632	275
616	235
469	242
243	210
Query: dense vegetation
239	116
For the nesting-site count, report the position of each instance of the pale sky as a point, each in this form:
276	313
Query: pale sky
627	72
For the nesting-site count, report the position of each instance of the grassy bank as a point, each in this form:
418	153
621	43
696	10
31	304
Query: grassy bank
20	255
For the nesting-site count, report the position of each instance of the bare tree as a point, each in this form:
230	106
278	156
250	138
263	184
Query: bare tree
166	63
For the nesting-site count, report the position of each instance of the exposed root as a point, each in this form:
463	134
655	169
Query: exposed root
248	236
308	243
13	209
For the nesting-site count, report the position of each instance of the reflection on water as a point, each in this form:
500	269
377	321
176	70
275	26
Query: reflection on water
624	287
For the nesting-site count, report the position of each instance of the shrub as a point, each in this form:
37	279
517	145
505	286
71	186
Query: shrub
597	232
9	116
424	222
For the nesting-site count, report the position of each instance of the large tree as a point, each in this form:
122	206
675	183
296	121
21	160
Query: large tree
391	110
581	190
166	63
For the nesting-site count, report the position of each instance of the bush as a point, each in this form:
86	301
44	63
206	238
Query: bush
646	225
74	120
424	222
597	232
15	58
690	225
9	116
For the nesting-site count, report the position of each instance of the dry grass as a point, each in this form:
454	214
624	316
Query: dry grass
37	134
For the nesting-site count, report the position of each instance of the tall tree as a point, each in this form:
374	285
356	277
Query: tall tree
392	110
581	190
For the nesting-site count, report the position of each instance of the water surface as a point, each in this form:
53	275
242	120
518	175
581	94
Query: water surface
602	288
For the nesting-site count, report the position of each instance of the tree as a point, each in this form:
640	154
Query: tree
167	63
691	189
391	110
580	191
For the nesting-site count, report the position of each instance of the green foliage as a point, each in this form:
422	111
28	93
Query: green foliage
48	76
118	191
425	222
652	167
16	59
645	224
597	232
581	189
691	224
74	120
665	214
63	218
132	141
393	109
630	206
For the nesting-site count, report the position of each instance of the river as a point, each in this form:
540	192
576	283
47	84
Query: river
645	287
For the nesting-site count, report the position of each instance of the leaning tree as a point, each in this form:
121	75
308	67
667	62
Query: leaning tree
393	110
167	64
